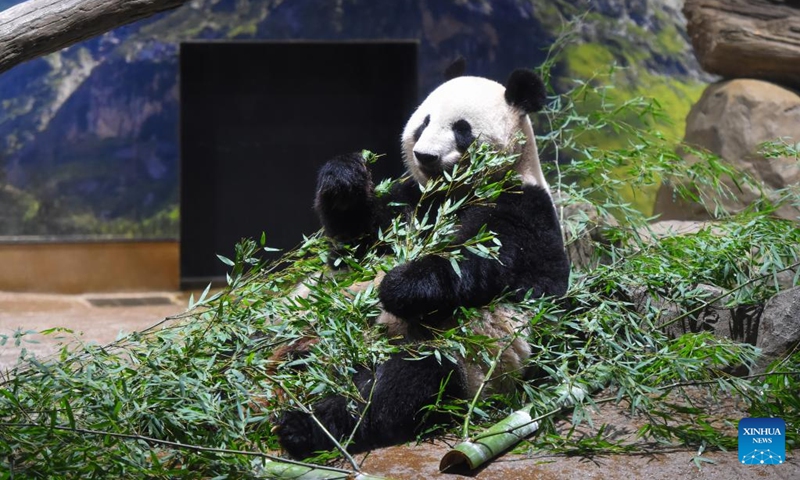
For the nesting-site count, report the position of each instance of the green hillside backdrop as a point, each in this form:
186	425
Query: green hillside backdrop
89	135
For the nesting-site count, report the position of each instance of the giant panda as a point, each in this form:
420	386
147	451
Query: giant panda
423	294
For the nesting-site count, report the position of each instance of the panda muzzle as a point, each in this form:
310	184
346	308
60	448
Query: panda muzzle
427	160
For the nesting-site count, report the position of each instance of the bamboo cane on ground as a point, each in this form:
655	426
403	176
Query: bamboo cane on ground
505	434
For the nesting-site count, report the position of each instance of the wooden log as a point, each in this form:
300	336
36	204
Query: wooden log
38	27
747	38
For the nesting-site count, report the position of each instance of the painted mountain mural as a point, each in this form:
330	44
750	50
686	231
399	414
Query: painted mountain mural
89	135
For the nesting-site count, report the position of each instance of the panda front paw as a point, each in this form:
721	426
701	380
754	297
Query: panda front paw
423	290
342	183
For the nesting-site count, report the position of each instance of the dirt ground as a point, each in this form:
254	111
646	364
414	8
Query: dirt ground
660	462
102	318
421	462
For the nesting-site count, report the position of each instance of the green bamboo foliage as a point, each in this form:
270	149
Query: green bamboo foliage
197	396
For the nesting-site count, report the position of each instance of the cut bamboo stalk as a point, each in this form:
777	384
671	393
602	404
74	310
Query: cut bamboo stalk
504	435
276	469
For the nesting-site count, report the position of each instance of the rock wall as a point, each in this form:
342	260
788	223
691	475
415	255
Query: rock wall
731	120
773	327
754	44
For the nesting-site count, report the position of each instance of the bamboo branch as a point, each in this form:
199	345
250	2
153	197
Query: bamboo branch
714	300
514	428
486	378
274	467
39	27
363	413
168	443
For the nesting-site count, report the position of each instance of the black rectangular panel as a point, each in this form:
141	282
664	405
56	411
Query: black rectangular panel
257	121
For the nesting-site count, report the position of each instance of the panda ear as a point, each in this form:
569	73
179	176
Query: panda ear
525	90
456	68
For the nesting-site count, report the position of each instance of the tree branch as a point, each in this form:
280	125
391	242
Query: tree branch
38	27
746	38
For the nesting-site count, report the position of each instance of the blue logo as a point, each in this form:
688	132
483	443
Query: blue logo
762	441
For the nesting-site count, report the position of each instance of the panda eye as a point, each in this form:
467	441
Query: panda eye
421	128
462	131
462	126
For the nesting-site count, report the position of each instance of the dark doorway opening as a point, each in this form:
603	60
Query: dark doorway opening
257	121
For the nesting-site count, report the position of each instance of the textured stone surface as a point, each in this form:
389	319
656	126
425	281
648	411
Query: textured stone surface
747	38
731	119
669	228
773	327
583	230
739	323
779	331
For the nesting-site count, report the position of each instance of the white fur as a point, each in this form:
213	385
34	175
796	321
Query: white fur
481	102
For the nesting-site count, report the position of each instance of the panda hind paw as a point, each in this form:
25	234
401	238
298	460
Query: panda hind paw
296	434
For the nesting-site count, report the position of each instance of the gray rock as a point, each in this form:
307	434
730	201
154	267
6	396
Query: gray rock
731	120
739	323
779	329
655	231
774	327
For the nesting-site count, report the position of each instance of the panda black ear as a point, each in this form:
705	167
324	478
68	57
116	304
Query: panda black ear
455	69
524	89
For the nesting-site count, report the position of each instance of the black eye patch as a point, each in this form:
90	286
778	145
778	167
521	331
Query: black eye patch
421	128
462	131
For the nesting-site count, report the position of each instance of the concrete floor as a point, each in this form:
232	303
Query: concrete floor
101	324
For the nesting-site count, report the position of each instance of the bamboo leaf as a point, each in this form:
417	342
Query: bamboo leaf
227	261
456	268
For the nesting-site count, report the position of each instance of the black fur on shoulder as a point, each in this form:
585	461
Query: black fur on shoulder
526	90
456	68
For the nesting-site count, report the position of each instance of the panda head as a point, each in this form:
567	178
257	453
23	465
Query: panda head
464	109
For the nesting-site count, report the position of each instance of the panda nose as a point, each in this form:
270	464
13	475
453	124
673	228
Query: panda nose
426	158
